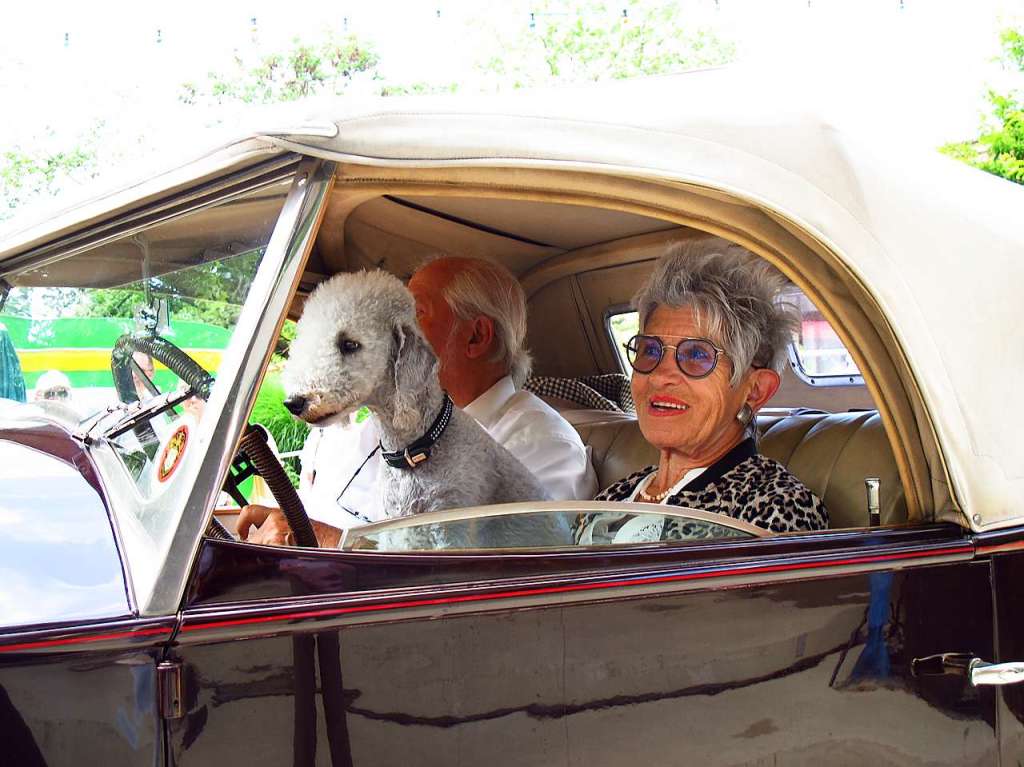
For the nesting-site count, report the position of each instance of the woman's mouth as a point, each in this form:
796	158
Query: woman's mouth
666	406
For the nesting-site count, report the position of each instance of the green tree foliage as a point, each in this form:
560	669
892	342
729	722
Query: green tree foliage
304	70
289	432
419	88
1000	147
27	175
212	293
18	303
595	40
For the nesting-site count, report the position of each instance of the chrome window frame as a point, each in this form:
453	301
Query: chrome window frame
837	379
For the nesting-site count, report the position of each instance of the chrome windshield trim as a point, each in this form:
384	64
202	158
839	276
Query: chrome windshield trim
548	507
211	193
259	324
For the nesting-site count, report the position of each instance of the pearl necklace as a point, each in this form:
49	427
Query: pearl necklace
655	498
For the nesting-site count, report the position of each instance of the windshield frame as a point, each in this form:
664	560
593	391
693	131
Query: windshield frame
247	357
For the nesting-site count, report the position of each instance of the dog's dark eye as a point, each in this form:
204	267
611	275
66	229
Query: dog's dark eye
348	346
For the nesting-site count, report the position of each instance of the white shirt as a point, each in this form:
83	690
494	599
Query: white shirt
525	425
330	458
543	441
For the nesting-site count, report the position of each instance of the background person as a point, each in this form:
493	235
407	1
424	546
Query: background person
12	380
53	385
708	357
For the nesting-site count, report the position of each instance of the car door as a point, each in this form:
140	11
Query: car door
1006	549
798	649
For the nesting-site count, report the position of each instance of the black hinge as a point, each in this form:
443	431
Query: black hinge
170	689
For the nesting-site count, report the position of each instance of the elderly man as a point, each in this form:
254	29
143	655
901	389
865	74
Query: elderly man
473	314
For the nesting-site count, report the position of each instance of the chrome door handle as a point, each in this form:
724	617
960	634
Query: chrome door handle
980	672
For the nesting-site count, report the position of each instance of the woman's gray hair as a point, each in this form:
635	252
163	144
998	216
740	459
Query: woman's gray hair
735	296
483	288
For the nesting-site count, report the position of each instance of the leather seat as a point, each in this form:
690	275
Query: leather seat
832	453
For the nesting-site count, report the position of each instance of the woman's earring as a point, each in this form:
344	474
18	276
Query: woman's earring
746	415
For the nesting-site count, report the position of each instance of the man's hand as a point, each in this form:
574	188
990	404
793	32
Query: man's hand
328	537
270	527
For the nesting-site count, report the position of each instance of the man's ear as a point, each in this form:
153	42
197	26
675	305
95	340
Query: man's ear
481	339
412	363
763	385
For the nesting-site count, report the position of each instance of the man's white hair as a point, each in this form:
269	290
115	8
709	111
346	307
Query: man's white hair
480	287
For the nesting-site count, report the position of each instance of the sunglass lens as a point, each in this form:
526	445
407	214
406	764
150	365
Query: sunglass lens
696	358
644	353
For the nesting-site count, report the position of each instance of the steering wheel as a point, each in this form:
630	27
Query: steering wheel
253	445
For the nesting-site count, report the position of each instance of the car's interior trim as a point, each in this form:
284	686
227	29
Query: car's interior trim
464	222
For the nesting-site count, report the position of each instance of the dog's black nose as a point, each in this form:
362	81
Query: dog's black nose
295	405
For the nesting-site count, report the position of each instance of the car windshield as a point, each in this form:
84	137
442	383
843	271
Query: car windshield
119	326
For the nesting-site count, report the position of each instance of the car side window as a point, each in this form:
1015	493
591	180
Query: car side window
544	526
817	354
621	324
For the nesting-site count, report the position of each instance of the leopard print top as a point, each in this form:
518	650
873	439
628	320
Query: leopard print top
742	484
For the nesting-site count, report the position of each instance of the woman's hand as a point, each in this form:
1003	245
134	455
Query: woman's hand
270	527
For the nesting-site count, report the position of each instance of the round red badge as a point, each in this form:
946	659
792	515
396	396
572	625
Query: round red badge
172	453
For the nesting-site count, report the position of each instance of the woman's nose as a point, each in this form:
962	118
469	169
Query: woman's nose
666	368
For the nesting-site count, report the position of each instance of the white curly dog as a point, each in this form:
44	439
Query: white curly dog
358	344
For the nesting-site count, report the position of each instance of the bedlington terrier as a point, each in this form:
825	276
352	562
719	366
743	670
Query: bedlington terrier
357	344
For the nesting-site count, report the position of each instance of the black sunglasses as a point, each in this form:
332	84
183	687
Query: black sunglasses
695	357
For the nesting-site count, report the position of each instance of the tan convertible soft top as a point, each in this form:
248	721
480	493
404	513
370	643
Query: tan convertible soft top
936	245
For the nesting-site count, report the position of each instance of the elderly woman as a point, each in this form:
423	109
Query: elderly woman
708	358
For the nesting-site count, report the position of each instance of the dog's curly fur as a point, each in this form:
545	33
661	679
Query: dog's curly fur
392	370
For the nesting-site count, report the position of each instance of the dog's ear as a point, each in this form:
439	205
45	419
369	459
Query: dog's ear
413	364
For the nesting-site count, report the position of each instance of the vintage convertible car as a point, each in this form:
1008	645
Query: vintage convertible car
134	631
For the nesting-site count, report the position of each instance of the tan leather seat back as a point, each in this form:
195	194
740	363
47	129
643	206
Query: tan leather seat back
831	453
617	448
